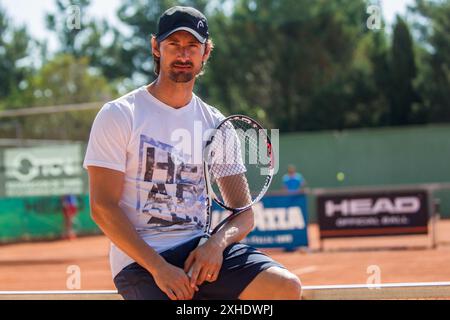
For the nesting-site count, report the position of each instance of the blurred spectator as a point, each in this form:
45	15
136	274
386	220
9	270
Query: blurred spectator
70	210
293	180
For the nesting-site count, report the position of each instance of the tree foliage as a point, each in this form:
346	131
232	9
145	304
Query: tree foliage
14	50
433	25
403	72
292	64
98	40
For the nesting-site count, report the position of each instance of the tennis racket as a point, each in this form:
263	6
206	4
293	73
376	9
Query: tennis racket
238	166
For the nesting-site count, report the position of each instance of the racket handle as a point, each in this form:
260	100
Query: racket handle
200	243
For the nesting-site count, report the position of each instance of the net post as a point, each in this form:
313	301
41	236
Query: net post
436	208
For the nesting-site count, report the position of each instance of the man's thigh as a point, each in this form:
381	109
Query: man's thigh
136	283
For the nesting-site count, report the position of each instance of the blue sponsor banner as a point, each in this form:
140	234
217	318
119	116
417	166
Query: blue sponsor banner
280	222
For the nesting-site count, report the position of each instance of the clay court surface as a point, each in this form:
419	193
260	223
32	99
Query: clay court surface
44	265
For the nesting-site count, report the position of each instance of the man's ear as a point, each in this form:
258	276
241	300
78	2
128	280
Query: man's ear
155	47
208	50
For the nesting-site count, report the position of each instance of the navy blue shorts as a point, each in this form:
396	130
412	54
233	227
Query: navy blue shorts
241	264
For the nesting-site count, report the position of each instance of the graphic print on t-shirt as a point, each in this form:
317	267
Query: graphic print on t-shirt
170	189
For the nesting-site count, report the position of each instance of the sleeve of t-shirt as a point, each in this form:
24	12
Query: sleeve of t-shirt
108	139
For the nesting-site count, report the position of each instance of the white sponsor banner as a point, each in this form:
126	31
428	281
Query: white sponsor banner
42	171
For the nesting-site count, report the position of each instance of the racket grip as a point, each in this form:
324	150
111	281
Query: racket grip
200	243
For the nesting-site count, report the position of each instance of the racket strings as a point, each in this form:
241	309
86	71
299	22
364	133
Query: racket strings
238	158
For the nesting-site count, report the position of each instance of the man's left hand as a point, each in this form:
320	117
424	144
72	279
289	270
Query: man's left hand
205	261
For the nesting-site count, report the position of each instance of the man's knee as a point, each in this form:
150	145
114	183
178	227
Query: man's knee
290	287
274	283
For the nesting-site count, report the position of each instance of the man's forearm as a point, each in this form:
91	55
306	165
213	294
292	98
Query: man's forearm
235	230
118	228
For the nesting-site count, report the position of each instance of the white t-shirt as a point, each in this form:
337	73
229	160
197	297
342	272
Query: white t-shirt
159	149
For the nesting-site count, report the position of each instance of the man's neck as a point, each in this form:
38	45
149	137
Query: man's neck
176	95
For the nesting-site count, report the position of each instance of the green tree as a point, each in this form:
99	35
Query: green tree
68	80
284	61
63	80
293	64
64	24
403	72
14	50
363	86
97	40
432	23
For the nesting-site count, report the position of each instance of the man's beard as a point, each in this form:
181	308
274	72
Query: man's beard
181	76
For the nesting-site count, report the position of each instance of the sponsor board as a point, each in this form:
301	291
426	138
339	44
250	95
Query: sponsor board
373	214
43	171
280	221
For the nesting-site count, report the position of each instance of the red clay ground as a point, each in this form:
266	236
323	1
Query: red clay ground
43	266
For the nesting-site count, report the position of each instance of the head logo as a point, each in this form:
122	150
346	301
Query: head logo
200	24
367	206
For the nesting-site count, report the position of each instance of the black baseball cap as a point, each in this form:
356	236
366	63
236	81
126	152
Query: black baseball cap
183	18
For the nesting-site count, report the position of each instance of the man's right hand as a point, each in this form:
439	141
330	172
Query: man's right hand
174	282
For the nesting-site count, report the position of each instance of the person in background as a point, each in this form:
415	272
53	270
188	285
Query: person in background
293	180
70	210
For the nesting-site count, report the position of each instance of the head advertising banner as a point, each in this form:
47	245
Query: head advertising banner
377	213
